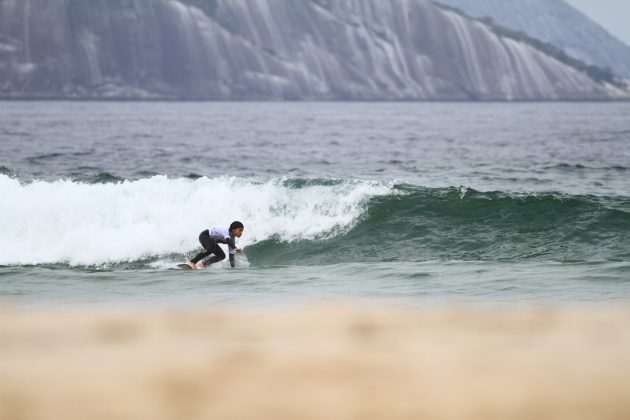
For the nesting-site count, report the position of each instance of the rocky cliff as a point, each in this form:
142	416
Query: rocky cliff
558	23
272	49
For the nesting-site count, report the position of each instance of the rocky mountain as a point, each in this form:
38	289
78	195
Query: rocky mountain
558	23
273	49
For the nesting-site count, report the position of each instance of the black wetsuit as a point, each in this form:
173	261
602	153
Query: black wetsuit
210	240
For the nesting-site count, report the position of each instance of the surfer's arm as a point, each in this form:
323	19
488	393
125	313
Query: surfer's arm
232	261
232	249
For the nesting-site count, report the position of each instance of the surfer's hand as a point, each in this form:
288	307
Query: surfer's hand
239	250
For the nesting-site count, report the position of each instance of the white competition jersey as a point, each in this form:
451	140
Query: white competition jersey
222	236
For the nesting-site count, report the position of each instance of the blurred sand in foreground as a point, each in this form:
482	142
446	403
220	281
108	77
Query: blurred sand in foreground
336	363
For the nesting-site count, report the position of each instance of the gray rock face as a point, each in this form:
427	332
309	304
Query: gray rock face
271	49
558	23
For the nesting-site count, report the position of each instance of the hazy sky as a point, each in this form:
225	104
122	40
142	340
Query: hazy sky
614	15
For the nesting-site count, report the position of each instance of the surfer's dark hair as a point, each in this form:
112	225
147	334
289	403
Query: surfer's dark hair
236	225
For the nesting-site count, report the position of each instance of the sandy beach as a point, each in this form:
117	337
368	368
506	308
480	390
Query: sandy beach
315	363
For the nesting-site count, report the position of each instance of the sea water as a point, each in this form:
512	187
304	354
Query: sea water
419	203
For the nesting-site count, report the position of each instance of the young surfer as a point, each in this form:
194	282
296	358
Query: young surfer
210	240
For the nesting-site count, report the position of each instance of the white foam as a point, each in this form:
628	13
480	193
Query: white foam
93	224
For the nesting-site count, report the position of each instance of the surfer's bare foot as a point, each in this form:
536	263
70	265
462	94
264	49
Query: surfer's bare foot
191	265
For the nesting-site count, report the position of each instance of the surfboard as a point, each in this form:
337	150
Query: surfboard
184	266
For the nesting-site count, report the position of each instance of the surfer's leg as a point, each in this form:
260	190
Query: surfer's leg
219	255
200	257
208	246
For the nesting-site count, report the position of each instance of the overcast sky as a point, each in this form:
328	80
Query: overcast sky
614	15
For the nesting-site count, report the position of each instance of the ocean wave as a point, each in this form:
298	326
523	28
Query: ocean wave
303	222
89	224
420	224
568	167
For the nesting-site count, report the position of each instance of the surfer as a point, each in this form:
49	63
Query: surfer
210	240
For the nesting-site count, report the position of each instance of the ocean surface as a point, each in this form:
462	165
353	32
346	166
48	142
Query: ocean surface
418	203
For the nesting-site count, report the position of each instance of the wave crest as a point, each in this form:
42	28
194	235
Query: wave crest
91	224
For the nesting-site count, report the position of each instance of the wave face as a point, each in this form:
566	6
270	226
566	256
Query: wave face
420	224
303	222
92	224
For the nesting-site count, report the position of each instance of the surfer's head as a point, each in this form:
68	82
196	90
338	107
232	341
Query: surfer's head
236	229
